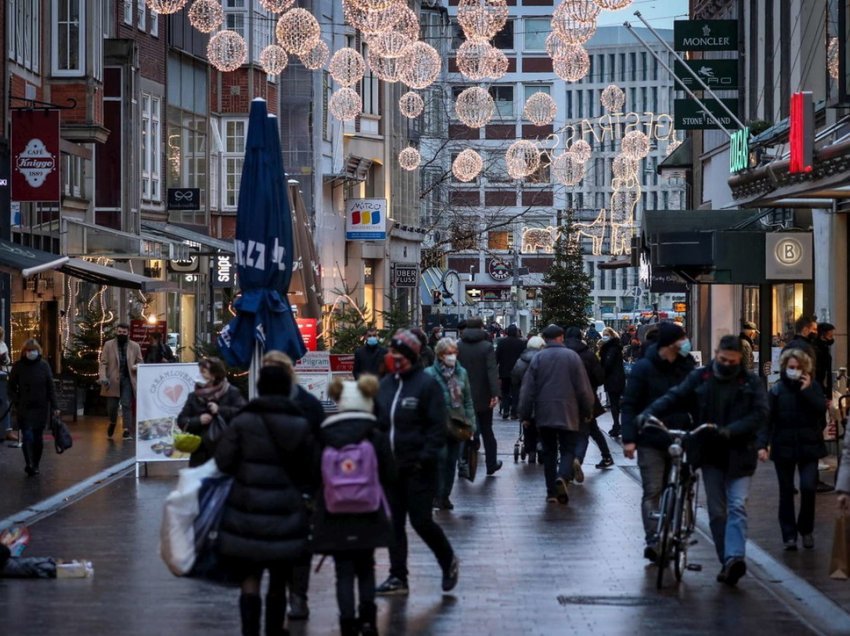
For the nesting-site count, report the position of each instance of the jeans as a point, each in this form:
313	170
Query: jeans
727	511
485	430
654	465
614	404
505	404
598	437
359	564
126	402
447	468
557	442
412	495
32	445
805	522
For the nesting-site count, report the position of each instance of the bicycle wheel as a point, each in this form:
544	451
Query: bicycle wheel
665	521
685	521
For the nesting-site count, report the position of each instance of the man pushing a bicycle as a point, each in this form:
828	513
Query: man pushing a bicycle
726	394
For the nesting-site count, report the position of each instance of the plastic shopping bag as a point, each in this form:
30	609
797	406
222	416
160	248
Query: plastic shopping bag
839	567
208	563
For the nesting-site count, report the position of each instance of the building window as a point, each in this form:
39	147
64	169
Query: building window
504	98
23	34
504	39
141	14
326	90
541	175
495	167
151	144
500	240
129	10
234	151
236	22
69	37
154	24
370	89
536	32
72	176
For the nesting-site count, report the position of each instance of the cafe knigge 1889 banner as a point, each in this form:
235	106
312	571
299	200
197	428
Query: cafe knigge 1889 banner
35	155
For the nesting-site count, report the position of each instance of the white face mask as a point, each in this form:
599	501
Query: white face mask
32	354
450	359
794	374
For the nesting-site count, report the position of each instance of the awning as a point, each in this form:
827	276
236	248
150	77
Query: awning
103	275
87	239
27	260
204	243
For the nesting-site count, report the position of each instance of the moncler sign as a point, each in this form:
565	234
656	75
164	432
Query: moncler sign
35	155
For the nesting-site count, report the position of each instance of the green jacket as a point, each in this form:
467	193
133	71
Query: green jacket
467	411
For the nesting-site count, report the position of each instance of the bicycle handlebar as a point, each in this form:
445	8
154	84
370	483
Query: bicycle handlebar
654	422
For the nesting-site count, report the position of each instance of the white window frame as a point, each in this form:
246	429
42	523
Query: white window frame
141	15
129	11
150	146
154	18
23	31
80	24
232	161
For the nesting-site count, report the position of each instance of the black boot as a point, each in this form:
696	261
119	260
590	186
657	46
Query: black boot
250	607
275	611
368	619
37	451
26	448
349	627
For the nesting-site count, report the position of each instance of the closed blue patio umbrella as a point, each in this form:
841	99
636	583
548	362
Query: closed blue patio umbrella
264	251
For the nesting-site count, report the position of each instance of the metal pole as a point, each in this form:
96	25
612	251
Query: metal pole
693	73
669	70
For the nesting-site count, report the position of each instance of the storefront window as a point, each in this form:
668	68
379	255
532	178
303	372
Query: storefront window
787	307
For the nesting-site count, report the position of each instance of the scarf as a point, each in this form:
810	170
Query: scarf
454	386
212	392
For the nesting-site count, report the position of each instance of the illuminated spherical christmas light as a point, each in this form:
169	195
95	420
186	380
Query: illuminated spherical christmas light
375	5
420	66
635	145
345	104
277	6
582	10
522	158
384	68
613	98
572	31
316	57
581	150
832	53
298	31
408	22
166	7
409	159
556	47
273	59
475	107
482	19
497	63
540	109
347	66
390	44
467	165
206	15
623	167
567	169
411	105
613	5
574	65
473	59
227	51
371	22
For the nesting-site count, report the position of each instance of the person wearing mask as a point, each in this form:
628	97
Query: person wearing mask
530	435
119	360
457	394
666	364
32	393
748	333
158	351
726	394
476	355
213	397
805	338
596	376
352	538
823	370
592	336
412	412
369	358
508	351
426	353
611	356
271	454
793	440
435	337
556	395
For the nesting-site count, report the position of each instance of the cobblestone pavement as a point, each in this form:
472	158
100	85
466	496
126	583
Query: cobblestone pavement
527	567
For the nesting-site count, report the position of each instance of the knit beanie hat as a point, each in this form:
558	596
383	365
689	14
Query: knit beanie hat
668	333
274	380
407	344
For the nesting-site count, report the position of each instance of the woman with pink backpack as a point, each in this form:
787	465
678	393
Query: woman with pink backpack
352	517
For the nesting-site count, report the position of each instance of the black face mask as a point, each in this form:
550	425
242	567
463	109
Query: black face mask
122	339
829	341
812	337
726	371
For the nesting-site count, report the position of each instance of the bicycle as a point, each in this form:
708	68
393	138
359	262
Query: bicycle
677	512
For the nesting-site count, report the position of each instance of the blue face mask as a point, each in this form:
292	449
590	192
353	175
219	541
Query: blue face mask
371	341
685	348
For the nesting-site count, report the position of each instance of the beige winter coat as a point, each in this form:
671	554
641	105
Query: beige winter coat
109	366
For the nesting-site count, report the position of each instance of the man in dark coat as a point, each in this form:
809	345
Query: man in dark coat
475	353
508	350
596	376
667	362
823	362
726	394
805	337
369	358
611	356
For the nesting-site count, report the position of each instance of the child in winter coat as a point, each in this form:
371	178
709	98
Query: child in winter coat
357	465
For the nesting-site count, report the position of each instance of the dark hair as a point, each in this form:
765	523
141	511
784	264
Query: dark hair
730	343
215	367
155	335
474	323
574	333
824	327
122	325
462	325
423	339
803	322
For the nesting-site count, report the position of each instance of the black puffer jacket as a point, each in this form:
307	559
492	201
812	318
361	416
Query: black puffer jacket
310	406
651	377
337	532
611	355
189	419
32	393
794	430
412	412
595	373
508	351
368	359
476	354
269	450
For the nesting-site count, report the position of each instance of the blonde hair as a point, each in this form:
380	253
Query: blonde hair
800	356
279	359
610	332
